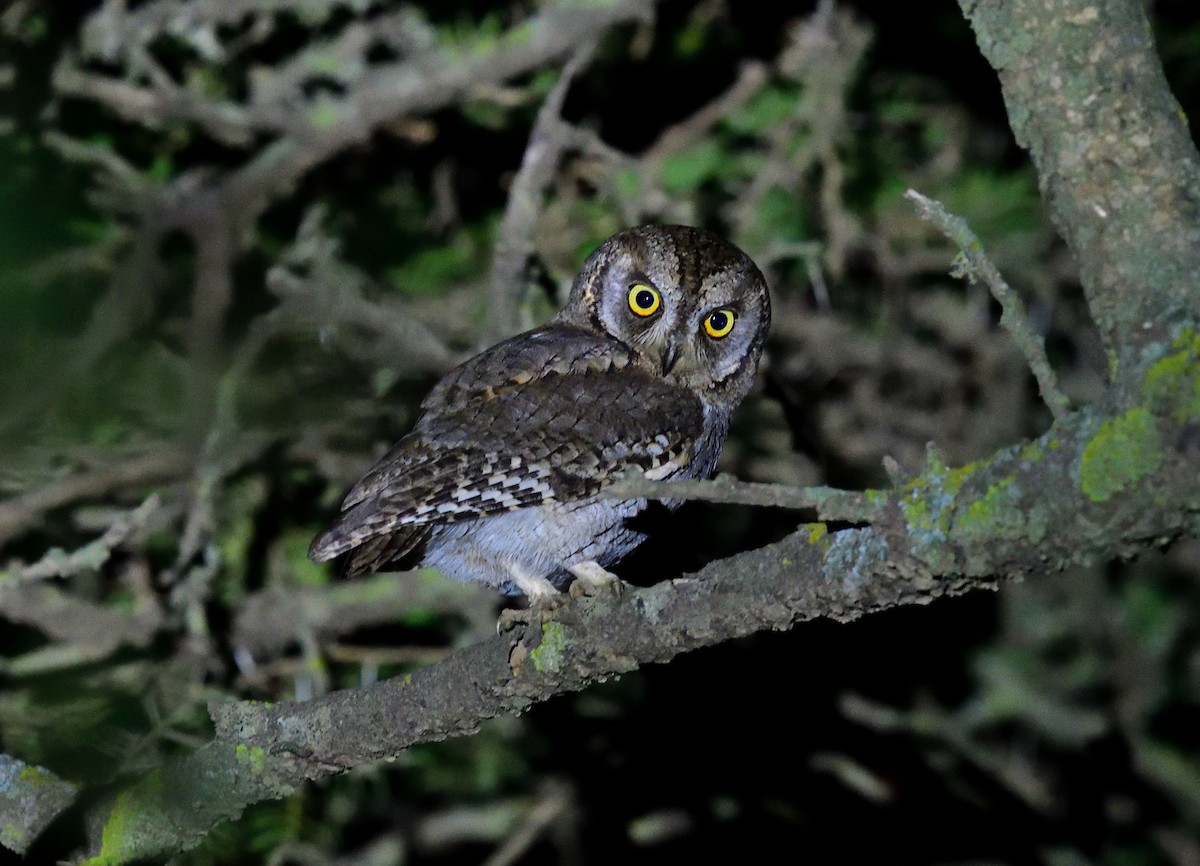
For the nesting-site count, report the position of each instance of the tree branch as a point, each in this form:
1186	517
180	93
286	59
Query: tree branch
1086	95
30	798
21	511
514	239
828	502
974	264
1066	498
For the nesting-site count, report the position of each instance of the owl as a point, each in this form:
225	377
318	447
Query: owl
500	480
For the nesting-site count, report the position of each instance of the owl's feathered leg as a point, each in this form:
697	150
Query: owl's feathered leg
592	578
539	591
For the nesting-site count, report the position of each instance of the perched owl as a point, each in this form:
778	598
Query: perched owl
498	481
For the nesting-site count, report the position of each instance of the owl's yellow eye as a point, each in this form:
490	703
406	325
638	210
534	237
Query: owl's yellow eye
644	300
719	324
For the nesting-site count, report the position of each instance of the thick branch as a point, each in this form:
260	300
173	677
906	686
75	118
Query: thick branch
1086	94
1093	487
30	798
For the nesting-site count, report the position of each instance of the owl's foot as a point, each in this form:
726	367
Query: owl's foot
544	600
591	578
541	610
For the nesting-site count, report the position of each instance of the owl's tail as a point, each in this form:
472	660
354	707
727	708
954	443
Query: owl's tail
370	550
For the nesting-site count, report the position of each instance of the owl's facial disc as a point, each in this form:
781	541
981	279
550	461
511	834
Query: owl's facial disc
690	303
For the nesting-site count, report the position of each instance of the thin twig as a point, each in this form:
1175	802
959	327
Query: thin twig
514	241
22	511
752	76
91	556
829	503
553	802
973	263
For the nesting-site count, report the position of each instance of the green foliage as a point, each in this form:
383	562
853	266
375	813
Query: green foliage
481	766
432	271
687	170
766	110
291	556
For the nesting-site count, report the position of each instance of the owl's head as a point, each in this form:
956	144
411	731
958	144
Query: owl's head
693	305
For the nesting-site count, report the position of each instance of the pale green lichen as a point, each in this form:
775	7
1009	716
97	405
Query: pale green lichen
114	836
818	537
34	776
251	756
1001	514
994	506
928	502
13	838
876	497
1172	384
547	655
1032	452
1124	450
117	840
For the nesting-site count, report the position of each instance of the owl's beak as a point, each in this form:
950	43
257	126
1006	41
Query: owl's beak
670	355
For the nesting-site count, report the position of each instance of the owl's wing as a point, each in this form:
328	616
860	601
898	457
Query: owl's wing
496	445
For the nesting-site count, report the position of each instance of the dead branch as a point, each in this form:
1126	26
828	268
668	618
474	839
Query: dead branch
975	265
514	245
20	512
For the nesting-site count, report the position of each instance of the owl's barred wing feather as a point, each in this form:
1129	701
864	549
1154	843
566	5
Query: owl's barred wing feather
558	434
400	550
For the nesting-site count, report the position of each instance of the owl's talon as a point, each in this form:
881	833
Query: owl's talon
541	610
592	579
511	617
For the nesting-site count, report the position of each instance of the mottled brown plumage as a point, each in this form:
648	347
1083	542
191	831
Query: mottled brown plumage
497	482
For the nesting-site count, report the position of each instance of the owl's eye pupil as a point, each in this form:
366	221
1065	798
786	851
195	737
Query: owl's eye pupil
718	321
645	298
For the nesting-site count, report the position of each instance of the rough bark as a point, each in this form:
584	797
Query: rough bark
30	798
1086	94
